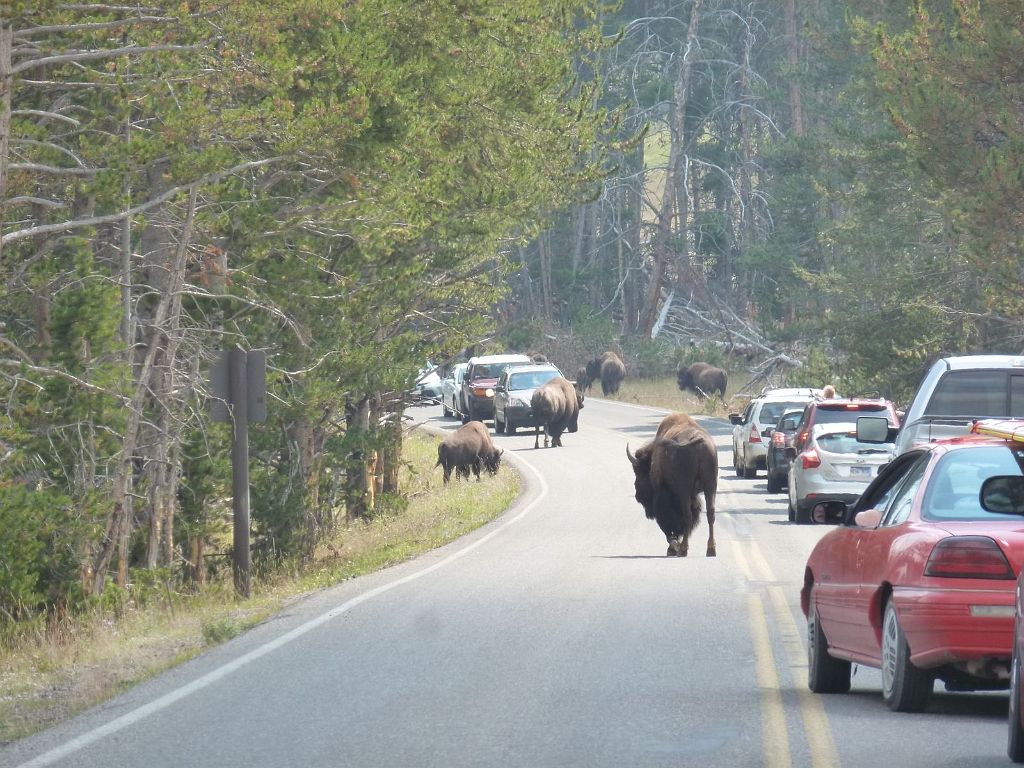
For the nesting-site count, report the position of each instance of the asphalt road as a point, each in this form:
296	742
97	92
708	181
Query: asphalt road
559	635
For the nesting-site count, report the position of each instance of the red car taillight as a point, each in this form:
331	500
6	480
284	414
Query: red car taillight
968	557
810	459
755	436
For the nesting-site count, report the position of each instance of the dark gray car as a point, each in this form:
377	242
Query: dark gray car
513	392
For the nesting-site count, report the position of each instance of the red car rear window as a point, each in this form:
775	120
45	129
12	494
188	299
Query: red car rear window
834	413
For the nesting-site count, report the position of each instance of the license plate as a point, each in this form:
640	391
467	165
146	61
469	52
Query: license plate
860	471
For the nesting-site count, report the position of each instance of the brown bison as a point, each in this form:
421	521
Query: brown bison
671	472
702	379
556	407
610	369
468	448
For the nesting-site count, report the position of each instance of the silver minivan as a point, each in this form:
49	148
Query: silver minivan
956	391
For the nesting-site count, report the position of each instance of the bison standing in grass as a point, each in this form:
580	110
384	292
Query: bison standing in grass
556	408
671	472
610	369
703	379
468	449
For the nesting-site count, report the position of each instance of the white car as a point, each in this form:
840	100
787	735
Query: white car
428	383
451	390
753	428
832	470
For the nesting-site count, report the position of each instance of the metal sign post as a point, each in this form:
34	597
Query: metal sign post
238	381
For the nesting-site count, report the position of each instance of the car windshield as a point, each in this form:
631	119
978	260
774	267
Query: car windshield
530	379
847	442
955	485
771	412
488	370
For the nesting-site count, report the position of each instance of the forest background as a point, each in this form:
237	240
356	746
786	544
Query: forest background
828	190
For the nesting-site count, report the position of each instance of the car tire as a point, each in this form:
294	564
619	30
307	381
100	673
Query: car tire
802	514
510	428
792	512
825	674
1015	740
774	484
499	426
905	688
445	410
736	463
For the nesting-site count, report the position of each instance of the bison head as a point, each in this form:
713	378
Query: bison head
492	460
684	379
643	486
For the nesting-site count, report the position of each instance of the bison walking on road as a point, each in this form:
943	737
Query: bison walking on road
671	472
610	369
468	449
703	379
556	408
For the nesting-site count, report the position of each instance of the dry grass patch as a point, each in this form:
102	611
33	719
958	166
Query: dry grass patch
664	393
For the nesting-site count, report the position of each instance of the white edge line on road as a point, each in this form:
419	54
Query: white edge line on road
161	703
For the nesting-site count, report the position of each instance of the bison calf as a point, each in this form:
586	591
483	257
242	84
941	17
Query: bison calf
670	474
556	407
467	449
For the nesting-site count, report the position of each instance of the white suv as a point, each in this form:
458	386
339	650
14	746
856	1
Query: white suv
753	428
958	390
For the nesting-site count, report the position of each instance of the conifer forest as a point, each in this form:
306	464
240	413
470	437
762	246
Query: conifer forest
357	187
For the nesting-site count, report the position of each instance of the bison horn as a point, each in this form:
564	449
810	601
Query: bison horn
630	456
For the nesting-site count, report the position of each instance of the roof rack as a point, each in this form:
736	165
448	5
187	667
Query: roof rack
1008	429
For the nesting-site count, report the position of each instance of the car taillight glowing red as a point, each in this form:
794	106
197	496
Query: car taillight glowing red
810	459
755	436
968	557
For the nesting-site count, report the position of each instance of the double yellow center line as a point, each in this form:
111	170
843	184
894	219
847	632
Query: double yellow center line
764	596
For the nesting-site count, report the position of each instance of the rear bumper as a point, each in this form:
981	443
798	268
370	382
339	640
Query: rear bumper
811	500
945	626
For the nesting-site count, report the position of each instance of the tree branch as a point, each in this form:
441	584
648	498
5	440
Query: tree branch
92	221
110	53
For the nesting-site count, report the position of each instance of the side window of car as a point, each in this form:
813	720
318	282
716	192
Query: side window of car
749	411
900	499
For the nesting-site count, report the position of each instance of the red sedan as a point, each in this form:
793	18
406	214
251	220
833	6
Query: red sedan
919	578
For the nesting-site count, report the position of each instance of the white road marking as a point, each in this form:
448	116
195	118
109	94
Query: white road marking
163	702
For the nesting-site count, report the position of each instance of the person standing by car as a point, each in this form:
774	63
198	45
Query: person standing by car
828	392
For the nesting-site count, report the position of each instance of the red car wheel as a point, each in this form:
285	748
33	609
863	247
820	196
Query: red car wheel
905	688
825	674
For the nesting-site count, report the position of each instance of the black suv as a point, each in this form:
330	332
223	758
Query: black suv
776	459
